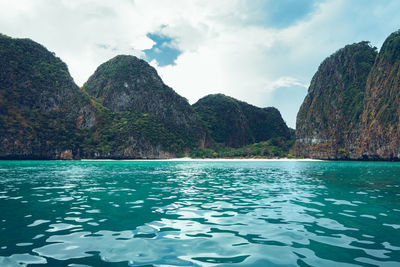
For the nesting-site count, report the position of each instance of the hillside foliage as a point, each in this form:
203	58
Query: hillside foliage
123	111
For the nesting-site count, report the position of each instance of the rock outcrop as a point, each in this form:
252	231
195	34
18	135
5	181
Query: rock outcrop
327	125
352	107
380	136
126	112
234	123
39	102
133	92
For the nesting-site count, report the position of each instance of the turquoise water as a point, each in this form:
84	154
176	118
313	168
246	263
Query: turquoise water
55	213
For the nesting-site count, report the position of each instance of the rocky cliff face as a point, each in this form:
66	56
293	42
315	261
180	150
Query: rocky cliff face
132	114
327	125
352	108
132	90
234	123
39	102
380	137
124	111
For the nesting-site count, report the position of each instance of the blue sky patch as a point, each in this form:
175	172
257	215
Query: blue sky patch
279	14
162	51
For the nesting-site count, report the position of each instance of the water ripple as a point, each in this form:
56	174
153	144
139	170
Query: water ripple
199	213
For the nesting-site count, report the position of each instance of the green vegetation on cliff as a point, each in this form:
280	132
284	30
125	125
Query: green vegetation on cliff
131	89
123	111
353	105
380	137
44	114
390	51
234	123
37	119
328	120
277	147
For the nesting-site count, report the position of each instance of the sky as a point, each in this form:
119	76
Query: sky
264	52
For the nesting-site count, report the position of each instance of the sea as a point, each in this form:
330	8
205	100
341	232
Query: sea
199	213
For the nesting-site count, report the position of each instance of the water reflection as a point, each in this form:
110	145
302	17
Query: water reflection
199	213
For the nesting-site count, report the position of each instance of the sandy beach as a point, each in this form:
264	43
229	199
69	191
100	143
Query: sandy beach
210	159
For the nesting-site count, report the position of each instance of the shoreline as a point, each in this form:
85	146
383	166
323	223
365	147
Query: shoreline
206	159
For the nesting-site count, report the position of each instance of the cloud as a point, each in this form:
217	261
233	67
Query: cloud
256	63
288	82
262	52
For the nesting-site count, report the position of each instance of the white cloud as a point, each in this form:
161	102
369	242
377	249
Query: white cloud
220	53
288	82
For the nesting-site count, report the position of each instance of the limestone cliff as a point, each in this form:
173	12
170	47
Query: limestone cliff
44	115
39	102
380	137
124	111
235	123
149	110
328	122
353	106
